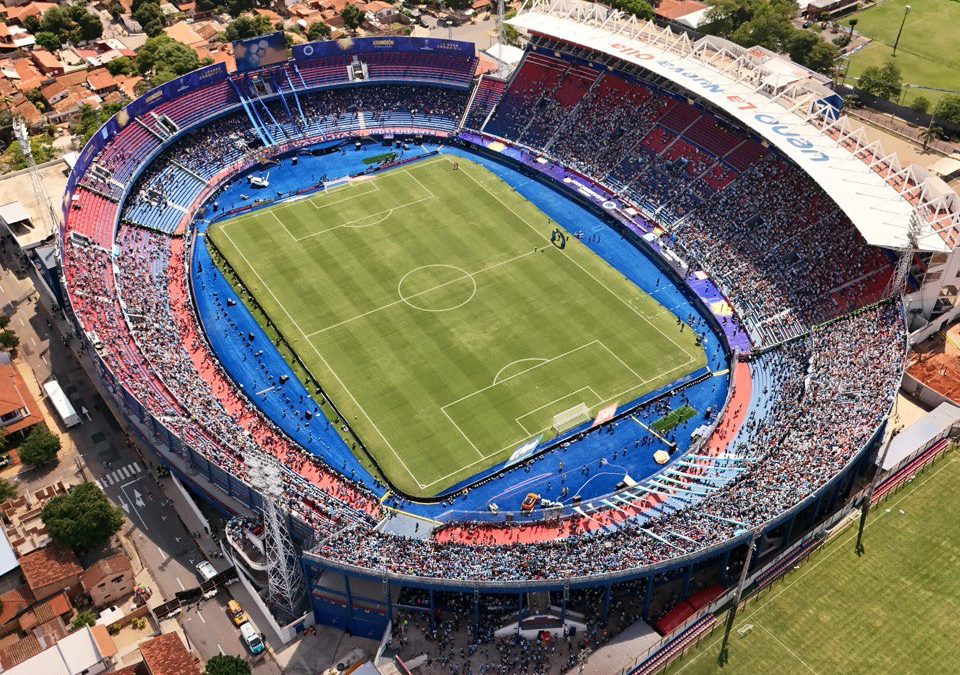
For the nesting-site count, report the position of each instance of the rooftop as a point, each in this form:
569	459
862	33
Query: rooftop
49	565
112	566
166	655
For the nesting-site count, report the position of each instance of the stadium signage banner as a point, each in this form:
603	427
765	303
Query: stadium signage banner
605	414
359	46
523	451
259	51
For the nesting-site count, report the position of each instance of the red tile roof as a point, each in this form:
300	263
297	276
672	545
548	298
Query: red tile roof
56	606
108	567
20	651
675	9
14	395
166	655
49	565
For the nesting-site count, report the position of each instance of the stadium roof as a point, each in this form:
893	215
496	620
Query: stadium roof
920	435
779	100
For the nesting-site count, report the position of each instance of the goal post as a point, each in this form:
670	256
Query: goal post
570	418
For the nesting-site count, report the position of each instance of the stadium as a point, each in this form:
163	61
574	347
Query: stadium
555	351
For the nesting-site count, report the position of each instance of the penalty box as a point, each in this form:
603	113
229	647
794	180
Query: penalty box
524	399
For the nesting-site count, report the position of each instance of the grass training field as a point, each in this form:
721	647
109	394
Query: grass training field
432	307
928	54
894	610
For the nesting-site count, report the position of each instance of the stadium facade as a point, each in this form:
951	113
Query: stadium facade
871	263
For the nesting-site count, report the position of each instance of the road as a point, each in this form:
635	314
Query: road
162	541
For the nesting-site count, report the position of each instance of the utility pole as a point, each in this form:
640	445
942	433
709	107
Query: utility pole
906	10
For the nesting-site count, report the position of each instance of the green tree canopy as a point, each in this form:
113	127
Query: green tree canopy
227	664
122	66
9	341
39	447
47	40
920	104
352	17
248	26
83	618
162	58
91	119
150	17
67	23
317	31
948	109
8	490
883	81
638	8
82	518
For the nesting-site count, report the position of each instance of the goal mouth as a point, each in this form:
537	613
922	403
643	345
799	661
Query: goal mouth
570	418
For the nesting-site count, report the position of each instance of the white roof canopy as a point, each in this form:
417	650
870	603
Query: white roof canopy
777	99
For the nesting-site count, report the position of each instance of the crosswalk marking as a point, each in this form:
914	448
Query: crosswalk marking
123	473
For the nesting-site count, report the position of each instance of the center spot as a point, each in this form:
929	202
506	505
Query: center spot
436	288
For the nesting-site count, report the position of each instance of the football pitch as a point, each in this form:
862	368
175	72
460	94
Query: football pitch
893	610
433	309
927	54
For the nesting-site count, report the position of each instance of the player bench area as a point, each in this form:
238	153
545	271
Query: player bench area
433	308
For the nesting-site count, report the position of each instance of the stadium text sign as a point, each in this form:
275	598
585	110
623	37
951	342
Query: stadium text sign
709	86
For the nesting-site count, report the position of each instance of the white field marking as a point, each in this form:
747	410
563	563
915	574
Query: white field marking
809	567
181	584
530	412
342	188
500	372
466	275
570	258
790	651
467	438
320	356
353	223
417	181
507	379
404	299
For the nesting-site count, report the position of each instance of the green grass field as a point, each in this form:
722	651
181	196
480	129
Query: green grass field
927	54
433	309
894	610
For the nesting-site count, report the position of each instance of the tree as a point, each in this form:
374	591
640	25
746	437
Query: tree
83	618
948	109
920	104
8	490
41	146
162	58
317	31
47	40
82	518
352	17
247	26
227	664
882	81
237	7
853	23
9	341
638	8
930	134
91	119
39	447
122	66
816	54
32	24
150	17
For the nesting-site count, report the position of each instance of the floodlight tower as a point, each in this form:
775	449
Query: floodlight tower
502	68
286	587
898	281
47	213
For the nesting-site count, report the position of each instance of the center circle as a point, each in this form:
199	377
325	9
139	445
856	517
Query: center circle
437	288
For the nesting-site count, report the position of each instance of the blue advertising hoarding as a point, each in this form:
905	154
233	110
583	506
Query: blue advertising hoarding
263	50
316	50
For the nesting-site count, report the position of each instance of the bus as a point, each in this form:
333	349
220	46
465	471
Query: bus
61	403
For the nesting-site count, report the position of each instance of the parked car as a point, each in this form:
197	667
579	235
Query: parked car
206	570
237	615
251	638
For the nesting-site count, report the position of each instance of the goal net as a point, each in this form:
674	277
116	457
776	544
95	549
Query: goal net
570	418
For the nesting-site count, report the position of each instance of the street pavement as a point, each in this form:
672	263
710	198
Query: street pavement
162	542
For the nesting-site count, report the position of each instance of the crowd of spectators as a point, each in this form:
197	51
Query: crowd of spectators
782	251
760	235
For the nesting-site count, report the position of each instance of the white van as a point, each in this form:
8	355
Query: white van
251	638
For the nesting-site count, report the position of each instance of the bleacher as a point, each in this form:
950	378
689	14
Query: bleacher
489	92
412	67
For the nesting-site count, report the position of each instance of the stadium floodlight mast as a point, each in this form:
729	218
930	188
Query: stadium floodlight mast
724	654
906	11
286	586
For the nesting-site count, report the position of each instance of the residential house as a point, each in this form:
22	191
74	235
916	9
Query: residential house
183	33
15	37
23	73
17	15
109	580
687	12
47	621
101	81
48	64
88	651
166	655
18	408
51	569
